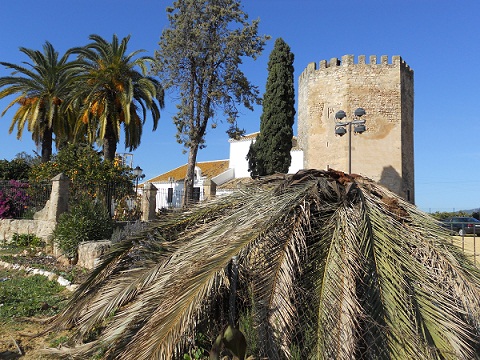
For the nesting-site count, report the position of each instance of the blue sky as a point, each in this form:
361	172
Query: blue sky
439	39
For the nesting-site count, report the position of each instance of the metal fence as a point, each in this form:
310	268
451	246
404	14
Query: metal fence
20	200
120	200
470	246
465	235
169	198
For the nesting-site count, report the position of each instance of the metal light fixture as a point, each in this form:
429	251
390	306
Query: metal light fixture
138	173
341	129
359	112
340	115
358	129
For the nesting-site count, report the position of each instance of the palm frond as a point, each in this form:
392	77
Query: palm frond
329	266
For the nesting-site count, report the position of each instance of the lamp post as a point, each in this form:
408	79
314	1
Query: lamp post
138	172
340	129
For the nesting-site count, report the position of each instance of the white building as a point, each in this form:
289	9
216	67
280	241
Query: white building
214	177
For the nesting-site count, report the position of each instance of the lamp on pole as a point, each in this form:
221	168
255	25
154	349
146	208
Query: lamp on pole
138	173
341	129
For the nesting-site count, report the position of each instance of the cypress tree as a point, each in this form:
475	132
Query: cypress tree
271	151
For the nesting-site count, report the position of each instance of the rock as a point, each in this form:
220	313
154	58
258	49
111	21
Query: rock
89	252
62	281
72	287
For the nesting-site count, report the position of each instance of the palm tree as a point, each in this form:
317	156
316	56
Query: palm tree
111	91
330	266
42	86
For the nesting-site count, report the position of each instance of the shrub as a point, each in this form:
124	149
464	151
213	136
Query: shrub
131	228
27	240
88	173
14	200
87	221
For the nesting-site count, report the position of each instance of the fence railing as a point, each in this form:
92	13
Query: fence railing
469	245
110	194
19	199
169	198
465	236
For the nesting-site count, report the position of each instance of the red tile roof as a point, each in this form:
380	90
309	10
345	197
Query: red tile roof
209	169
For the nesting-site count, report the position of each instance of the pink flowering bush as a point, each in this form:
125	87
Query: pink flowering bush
13	199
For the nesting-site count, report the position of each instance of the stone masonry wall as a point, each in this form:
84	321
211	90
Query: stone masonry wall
40	228
45	220
384	152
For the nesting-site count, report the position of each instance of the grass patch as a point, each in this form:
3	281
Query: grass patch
27	296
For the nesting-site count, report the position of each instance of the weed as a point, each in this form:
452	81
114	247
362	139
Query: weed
57	342
199	349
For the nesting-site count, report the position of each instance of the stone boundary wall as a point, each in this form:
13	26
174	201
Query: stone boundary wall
45	220
41	228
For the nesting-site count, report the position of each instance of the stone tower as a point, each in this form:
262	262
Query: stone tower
384	152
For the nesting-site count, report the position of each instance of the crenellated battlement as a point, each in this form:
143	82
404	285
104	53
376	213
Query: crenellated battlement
349	60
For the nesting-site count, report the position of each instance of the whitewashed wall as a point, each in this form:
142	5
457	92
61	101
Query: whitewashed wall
238	162
239	150
297	161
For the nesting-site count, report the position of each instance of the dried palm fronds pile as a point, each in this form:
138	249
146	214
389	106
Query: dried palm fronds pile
329	267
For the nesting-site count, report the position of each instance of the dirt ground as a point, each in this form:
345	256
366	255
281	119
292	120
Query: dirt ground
17	340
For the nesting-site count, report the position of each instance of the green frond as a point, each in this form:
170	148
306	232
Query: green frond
110	73
45	77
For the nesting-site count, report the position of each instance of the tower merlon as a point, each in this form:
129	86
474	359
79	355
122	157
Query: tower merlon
349	60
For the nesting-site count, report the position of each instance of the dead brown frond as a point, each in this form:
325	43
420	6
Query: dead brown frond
329	266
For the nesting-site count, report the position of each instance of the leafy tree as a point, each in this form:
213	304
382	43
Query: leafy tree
89	174
112	91
42	86
441	215
16	169
234	132
329	267
271	151
199	55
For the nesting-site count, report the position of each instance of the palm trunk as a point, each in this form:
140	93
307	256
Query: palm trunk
109	143
47	145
